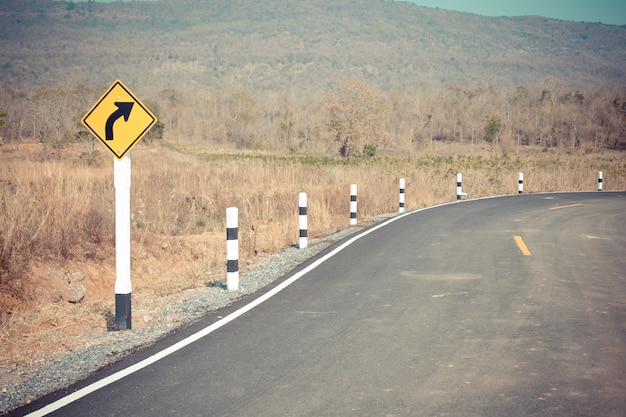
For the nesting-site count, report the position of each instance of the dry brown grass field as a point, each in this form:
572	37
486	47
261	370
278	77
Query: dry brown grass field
57	219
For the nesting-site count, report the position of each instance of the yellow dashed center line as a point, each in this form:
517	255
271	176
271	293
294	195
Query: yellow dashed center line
522	246
562	207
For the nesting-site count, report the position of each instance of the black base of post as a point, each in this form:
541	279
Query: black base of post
122	312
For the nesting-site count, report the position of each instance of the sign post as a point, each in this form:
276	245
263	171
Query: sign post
121	174
119	121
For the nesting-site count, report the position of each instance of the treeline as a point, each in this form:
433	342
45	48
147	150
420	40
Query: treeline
351	119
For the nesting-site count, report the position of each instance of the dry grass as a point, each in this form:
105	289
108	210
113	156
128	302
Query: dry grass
58	217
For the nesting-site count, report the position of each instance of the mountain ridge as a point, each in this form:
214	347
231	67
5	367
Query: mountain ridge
278	44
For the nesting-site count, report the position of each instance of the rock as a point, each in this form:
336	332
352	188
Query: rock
77	276
56	296
75	292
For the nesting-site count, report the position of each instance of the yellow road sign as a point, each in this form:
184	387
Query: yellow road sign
119	120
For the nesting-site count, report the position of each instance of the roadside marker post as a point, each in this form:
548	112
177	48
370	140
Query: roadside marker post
600	175
459	185
119	121
402	184
232	248
302	220
353	190
520	183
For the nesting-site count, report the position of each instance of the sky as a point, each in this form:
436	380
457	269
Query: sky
612	12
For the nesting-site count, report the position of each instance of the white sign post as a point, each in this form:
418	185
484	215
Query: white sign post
122	244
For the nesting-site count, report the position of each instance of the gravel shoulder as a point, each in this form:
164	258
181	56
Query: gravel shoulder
21	385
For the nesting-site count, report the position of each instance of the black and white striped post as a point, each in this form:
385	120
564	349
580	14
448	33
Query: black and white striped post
600	175
302	221
459	185
352	204
520	183
402	184
232	248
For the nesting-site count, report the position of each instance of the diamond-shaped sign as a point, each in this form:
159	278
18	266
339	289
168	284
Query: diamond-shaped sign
119	120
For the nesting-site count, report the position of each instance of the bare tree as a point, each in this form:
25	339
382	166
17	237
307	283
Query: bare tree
355	117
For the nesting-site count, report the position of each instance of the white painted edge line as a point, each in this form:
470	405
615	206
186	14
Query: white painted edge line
62	402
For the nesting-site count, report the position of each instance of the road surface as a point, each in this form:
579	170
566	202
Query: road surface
511	306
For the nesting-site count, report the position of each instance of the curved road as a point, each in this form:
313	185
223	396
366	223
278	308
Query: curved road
511	306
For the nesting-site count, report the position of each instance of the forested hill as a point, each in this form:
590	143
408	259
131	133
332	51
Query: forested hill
296	44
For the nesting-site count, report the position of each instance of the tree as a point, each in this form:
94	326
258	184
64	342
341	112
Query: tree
156	133
3	114
52	116
493	127
240	117
354	117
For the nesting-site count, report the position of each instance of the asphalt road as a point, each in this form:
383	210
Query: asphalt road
442	312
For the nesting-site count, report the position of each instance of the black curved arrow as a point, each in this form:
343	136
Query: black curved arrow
123	109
